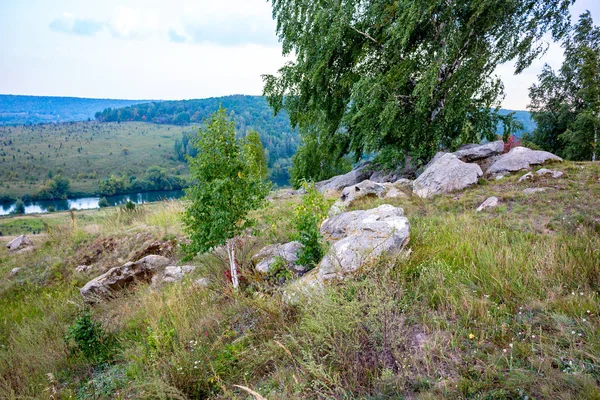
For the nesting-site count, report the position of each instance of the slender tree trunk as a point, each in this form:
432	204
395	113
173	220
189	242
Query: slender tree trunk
231	254
595	141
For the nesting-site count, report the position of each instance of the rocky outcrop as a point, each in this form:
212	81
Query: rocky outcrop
490	202
360	237
445	174
269	255
363	189
520	158
339	182
176	273
475	152
105	286
19	244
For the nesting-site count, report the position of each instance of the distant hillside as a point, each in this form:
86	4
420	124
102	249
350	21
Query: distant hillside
27	110
248	112
524	117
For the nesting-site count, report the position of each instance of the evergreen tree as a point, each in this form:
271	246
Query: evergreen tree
227	188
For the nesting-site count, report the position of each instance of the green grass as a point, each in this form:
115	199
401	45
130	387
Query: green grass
502	304
84	152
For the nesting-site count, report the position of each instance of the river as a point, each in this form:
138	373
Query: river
87	203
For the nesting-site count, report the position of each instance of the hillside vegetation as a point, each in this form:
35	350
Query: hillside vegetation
85	153
28	110
501	304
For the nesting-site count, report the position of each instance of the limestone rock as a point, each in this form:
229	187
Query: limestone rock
535	190
360	237
403	182
13	272
339	182
176	273
19	244
490	202
105	286
553	173
477	152
265	258
527	177
362	189
446	173
520	158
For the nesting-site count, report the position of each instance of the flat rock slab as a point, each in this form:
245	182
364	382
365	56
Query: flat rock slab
360	237
535	190
520	158
107	285
287	252
445	174
339	182
477	152
19	243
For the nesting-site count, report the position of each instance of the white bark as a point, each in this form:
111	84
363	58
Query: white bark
231	254
595	142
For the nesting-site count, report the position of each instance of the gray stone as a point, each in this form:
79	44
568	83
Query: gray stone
535	190
82	268
362	189
553	173
444	175
499	177
202	282
176	273
105	286
360	237
339	182
395	193
383	177
403	182
13	272
527	177
19	243
520	158
265	258
490	202
477	152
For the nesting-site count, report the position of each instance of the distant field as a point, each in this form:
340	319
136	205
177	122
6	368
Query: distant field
84	152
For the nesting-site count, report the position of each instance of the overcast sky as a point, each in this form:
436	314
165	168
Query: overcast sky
151	49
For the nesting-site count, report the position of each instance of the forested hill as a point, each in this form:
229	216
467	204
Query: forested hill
248	112
27	110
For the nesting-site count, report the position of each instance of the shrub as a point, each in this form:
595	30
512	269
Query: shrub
307	219
102	203
129	206
89	338
19	207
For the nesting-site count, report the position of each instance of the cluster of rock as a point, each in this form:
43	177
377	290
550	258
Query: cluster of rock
445	173
150	269
355	239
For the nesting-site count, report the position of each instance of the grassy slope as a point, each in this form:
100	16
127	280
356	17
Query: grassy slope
498	304
42	148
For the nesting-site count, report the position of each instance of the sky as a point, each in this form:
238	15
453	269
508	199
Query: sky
168	50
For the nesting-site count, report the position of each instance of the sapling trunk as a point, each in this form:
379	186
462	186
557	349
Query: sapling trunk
233	268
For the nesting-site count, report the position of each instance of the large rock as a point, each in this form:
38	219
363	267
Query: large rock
477	152
265	258
19	243
362	189
520	158
360	237
105	286
445	174
490	202
339	182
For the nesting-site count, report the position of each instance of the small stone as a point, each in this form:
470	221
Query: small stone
202	282
82	268
499	177
490	202
13	272
551	172
535	190
19	244
527	177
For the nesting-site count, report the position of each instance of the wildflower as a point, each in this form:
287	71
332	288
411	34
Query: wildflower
504	350
584	320
533	336
510	345
572	332
471	336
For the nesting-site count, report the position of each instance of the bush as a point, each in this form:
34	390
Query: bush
129	206
102	203
306	222
19	207
89	338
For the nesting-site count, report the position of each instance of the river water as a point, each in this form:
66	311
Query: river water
87	203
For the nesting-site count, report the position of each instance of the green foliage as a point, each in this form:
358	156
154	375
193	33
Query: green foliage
316	162
19	207
102	203
129	206
412	75
55	188
279	272
306	223
566	105
226	187
89	338
254	154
